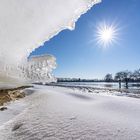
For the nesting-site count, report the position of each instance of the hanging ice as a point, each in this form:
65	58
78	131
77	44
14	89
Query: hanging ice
39	69
27	24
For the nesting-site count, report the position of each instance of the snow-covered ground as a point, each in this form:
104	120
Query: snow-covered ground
62	113
14	108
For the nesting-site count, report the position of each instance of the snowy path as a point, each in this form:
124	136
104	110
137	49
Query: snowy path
60	113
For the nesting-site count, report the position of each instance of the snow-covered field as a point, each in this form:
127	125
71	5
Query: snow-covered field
62	113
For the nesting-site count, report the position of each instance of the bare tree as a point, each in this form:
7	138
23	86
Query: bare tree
119	78
123	76
136	75
127	77
108	78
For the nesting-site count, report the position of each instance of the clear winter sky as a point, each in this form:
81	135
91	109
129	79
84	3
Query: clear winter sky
77	52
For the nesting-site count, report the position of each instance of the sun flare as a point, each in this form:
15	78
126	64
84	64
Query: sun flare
106	35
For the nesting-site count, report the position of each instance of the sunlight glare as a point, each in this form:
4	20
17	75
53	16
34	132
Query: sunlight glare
106	35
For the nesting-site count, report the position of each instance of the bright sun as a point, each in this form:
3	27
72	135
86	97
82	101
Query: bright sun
106	35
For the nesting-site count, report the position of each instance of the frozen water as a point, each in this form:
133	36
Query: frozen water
27	24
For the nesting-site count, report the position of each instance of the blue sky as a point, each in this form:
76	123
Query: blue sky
78	57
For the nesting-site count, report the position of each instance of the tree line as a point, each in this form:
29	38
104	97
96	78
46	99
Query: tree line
123	76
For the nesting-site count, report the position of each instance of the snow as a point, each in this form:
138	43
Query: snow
40	68
14	108
54	112
26	24
63	113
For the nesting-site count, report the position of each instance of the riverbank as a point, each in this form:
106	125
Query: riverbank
12	94
13	102
134	93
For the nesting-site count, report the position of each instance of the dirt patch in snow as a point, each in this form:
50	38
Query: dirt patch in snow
7	95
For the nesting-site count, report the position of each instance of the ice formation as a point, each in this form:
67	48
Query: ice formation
39	68
26	25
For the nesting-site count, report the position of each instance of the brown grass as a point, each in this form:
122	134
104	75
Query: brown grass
7	95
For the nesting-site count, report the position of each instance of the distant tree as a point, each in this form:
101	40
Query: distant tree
127	77
108	77
124	76
119	78
136	75
79	80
